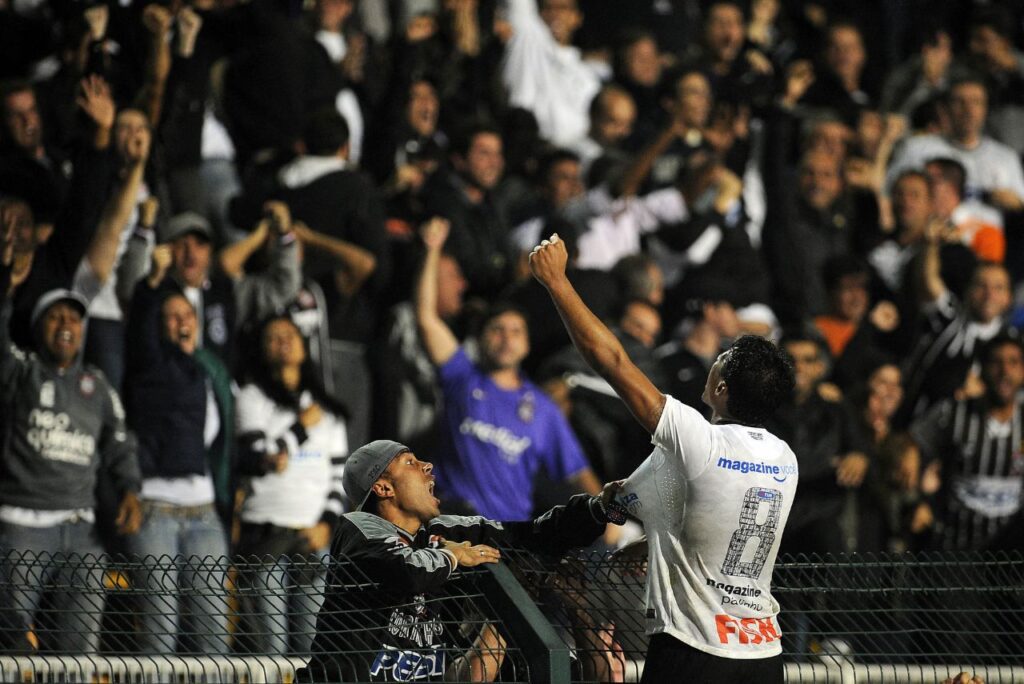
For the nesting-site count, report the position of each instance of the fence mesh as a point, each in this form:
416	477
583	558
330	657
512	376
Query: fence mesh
859	618
864	618
88	619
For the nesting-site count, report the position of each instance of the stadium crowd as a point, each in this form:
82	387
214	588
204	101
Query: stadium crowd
240	238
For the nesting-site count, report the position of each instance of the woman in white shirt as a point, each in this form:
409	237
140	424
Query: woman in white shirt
292	449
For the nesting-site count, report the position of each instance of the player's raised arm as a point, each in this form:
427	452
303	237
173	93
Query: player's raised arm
601	349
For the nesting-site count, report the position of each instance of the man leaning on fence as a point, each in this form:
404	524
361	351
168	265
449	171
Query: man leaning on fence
393	556
61	422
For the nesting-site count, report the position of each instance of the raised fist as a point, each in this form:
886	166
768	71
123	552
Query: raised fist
161	261
548	261
434	233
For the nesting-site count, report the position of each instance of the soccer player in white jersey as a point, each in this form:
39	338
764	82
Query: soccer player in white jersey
713	498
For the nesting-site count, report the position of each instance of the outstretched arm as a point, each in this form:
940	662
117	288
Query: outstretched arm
438	339
102	253
599	347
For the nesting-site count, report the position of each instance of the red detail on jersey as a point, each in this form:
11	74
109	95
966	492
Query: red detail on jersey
747	630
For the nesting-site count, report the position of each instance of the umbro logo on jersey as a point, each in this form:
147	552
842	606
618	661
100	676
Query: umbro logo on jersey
778	473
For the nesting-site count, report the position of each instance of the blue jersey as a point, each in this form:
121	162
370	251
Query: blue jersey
495	441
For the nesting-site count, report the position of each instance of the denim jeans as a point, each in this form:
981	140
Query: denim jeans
183	564
282	595
65	558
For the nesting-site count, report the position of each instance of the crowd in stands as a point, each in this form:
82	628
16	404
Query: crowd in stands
240	238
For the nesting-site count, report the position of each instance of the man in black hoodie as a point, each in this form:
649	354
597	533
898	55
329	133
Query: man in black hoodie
390	628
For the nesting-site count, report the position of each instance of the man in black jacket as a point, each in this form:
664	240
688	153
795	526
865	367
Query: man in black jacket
397	539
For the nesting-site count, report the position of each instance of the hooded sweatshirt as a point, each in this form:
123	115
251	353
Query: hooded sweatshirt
57	428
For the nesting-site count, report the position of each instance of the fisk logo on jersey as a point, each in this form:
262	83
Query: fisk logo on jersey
779	473
746	630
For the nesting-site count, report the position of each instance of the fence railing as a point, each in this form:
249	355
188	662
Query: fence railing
877	618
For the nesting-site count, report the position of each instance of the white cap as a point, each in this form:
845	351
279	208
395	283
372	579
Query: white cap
54	296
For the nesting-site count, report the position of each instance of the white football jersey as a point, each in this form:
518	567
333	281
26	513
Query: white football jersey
713	500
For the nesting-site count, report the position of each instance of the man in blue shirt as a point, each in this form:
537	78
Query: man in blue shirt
498	430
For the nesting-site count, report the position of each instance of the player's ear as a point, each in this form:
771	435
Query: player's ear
383	489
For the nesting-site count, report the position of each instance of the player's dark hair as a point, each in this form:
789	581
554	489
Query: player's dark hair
759	376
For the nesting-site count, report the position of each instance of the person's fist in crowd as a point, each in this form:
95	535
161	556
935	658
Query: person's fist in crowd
278	216
964	678
728	187
799	77
189	23
896	126
157	19
548	261
409	176
434	233
922	518
137	147
95	100
96	18
471	556
863	173
161	262
148	209
311	415
331	15
850	470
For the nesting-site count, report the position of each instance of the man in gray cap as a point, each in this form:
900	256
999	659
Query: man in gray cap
61	422
397	538
222	302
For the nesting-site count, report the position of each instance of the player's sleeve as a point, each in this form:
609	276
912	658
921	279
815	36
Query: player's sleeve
686	436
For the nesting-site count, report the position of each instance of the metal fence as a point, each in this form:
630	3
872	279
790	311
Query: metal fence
906	618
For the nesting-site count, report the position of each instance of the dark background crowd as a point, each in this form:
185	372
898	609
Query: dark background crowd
241	239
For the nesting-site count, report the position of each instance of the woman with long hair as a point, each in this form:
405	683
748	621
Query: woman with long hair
292	449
